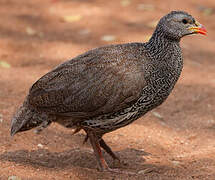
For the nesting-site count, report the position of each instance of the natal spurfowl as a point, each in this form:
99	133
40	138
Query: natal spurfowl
109	87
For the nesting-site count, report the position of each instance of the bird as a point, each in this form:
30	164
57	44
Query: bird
109	87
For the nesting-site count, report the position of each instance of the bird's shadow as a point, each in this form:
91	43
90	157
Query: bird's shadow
76	157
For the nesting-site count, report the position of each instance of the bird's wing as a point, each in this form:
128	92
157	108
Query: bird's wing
100	81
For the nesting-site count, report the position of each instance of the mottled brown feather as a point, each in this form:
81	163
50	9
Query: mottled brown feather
103	80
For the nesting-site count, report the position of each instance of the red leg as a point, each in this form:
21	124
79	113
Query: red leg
97	151
108	149
94	140
116	160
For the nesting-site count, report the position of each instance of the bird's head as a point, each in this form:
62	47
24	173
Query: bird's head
177	24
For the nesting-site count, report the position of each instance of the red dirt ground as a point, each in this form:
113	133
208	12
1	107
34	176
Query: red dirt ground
175	141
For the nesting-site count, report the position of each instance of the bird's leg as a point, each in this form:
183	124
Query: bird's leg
110	152
97	151
94	140
107	149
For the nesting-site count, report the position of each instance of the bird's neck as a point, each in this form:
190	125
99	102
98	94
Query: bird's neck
165	61
159	45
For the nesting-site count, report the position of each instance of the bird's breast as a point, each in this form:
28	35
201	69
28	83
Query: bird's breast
161	78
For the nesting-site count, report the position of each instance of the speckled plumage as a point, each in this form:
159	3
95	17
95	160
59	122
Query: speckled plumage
109	87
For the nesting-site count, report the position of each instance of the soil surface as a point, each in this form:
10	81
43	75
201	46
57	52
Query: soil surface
174	141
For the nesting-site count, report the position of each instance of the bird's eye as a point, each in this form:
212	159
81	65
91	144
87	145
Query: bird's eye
184	21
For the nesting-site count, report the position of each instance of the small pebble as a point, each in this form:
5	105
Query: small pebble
40	145
30	31
176	163
211	121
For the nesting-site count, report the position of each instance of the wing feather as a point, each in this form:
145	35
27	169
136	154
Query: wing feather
100	81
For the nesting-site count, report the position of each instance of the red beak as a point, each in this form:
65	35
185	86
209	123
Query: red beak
199	28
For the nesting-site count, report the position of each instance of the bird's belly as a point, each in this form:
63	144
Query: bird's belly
110	122
152	96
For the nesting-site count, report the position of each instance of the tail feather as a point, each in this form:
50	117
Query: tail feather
26	119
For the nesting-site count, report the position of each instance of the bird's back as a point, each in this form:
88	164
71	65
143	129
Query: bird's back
101	81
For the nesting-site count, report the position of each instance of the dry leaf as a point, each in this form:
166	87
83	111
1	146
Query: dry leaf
108	38
4	64
156	114
125	3
30	31
84	31
72	18
152	24
146	38
145	7
176	163
145	171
